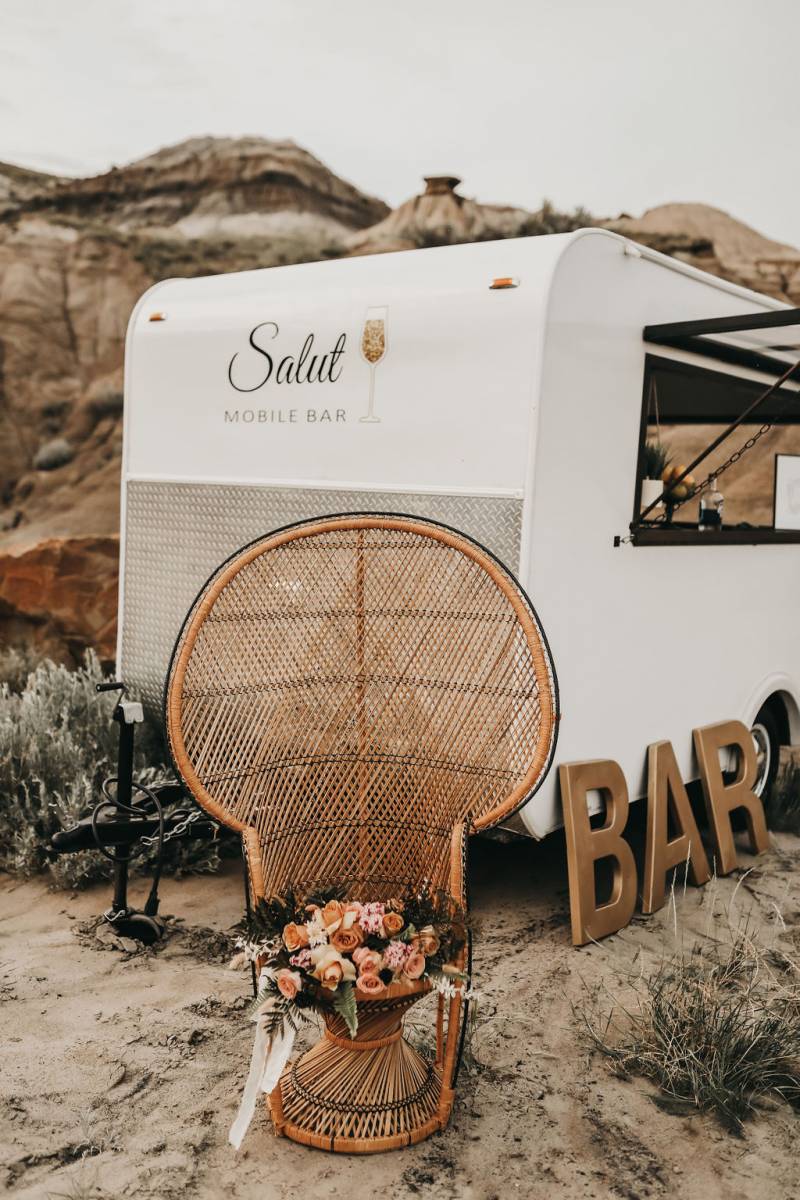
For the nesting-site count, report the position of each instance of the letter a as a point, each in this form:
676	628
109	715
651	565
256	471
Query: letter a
666	794
723	798
586	846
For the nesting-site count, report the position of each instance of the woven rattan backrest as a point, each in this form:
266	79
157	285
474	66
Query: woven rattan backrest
355	687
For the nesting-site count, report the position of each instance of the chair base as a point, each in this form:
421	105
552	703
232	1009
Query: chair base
364	1095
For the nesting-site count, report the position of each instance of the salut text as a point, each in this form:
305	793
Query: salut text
251	369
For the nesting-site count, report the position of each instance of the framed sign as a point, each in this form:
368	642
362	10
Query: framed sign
786	503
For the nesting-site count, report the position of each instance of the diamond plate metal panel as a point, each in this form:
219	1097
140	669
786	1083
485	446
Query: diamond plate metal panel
177	534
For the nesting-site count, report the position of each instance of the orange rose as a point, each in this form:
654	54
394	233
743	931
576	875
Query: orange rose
332	915
295	937
428	941
392	923
289	983
414	965
370	985
347	940
369	961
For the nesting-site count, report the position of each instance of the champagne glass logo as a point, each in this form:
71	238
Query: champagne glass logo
373	349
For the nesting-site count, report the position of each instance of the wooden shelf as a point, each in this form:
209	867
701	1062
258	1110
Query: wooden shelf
690	535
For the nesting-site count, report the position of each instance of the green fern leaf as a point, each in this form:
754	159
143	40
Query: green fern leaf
344	1001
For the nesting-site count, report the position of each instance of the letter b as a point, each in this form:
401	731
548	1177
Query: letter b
586	846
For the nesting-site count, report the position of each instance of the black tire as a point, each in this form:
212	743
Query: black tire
766	733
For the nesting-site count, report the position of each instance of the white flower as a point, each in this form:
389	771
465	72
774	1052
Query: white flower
445	987
254	950
317	933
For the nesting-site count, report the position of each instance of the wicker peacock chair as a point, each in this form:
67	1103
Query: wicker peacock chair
356	694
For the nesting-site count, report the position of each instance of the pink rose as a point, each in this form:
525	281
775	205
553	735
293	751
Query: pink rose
289	983
370	985
369	962
414	965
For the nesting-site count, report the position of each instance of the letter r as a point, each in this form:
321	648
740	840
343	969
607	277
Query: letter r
722	797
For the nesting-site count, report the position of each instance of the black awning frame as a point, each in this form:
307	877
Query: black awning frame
694	337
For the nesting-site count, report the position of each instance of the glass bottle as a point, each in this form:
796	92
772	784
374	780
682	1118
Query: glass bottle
711	504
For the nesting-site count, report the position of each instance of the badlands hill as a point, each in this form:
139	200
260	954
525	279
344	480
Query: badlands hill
75	254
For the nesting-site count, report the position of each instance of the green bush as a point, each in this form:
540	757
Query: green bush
549	220
57	745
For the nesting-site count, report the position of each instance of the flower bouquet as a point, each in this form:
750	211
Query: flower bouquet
326	951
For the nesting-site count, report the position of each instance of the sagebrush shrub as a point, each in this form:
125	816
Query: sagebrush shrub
16	664
57	745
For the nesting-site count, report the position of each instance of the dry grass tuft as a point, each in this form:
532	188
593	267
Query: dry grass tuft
718	1034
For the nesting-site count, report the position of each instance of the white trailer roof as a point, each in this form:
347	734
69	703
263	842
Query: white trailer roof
221	388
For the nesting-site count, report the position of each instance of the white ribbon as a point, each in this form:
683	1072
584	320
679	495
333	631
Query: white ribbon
270	1055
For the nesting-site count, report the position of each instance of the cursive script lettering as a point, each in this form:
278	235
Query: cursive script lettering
305	367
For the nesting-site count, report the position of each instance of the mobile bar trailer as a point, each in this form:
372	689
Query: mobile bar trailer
505	389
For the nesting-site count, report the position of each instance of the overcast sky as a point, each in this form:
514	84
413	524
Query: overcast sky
612	104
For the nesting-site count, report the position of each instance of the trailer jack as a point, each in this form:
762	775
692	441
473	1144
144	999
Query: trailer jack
129	813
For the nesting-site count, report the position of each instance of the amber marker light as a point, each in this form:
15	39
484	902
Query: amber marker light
503	281
157	317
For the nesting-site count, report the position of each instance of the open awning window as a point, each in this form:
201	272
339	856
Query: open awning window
720	393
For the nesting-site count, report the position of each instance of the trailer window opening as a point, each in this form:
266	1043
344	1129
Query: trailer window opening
688	407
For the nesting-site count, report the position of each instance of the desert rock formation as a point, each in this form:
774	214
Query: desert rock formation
714	241
60	596
75	255
440	216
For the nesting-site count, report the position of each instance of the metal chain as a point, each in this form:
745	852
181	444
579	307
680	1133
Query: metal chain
731	461
179	829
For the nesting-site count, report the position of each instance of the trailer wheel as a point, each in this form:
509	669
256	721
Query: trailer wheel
766	735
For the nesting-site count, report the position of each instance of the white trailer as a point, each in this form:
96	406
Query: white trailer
513	413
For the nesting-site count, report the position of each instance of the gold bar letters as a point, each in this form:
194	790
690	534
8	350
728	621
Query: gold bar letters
666	795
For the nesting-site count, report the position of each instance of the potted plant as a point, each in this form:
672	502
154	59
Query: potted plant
655	461
677	493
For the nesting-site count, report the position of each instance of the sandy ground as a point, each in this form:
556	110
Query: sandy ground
121	1071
